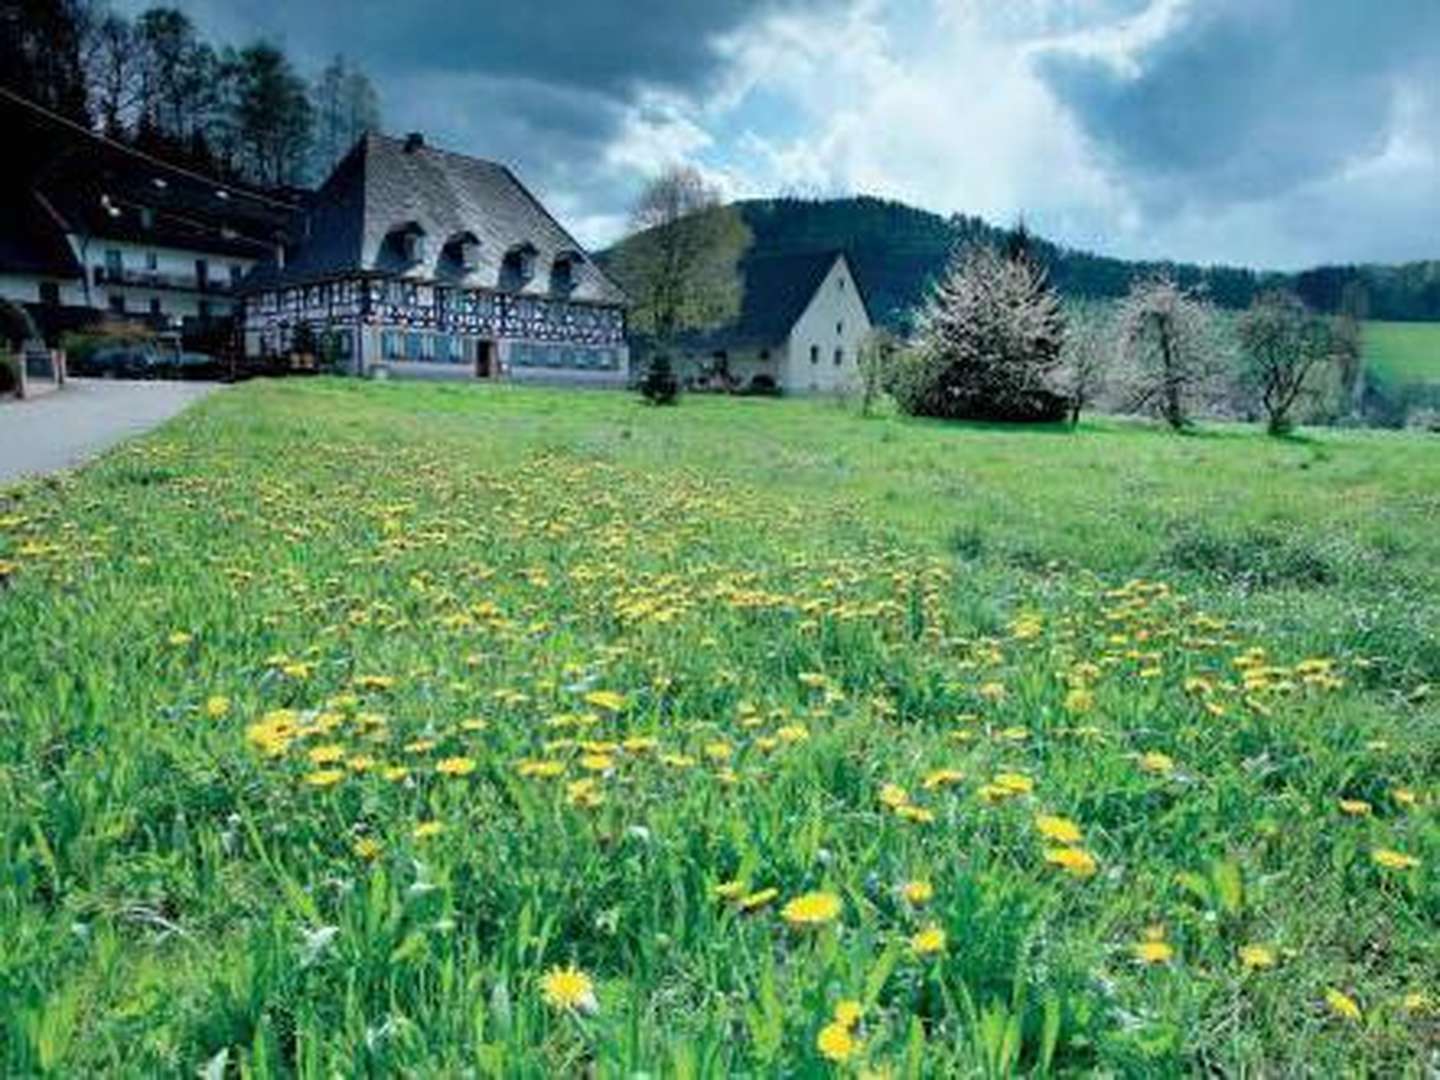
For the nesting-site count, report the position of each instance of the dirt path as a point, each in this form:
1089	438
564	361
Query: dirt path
73	425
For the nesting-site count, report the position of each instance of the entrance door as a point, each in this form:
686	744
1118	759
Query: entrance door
484	359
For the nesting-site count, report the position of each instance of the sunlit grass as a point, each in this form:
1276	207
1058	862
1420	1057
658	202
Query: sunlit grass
440	728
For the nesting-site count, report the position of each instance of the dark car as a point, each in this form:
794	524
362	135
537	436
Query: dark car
118	362
197	365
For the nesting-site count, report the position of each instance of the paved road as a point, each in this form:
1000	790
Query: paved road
72	425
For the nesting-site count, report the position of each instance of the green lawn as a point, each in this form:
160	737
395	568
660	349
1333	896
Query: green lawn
340	721
1404	352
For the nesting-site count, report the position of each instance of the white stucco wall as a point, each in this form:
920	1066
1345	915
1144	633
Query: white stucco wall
174	265
834	320
25	289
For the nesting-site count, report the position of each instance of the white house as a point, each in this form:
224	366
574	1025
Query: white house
802	323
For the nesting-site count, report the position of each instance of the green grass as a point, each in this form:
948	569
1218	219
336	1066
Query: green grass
1404	352
735	628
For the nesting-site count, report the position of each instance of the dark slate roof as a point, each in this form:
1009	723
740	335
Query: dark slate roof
31	239
777	289
61	177
385	185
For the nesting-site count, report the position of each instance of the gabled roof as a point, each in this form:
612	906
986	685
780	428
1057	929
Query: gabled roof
31	239
386	185
776	291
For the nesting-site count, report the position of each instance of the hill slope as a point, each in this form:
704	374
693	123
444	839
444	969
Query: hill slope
898	250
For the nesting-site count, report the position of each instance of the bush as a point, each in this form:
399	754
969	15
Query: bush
990	344
660	387
9	377
763	385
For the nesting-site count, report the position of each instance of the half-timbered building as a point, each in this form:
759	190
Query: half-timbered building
416	260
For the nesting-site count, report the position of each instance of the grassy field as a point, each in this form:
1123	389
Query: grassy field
440	730
1404	352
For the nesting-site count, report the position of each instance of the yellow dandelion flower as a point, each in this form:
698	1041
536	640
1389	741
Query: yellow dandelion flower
928	941
1354	807
1404	796
597	762
1391	859
1342	1005
756	900
918	892
812	909
1072	860
792	733
919	814
719	751
730	890
1016	783
1079	701
367	847
894	796
541	769
455	766
941	778
1158	763
569	988
1060	829
848	1012
992	691
836	1043
325	777
608	700
179	638
217	706
374	682
427	829
396	773
326	755
1153	952
1256	957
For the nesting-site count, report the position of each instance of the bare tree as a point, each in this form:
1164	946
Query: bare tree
1350	345
346	106
1285	347
680	266
1087	356
1169	339
111	59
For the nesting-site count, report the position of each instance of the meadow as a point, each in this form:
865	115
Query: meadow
1404	352
357	728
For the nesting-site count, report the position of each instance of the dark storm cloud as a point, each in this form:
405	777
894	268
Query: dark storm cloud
1249	99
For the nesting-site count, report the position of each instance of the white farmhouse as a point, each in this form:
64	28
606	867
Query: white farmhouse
802	323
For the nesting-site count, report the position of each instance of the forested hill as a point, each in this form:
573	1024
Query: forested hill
899	249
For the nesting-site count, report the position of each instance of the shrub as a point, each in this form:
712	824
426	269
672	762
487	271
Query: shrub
9	377
763	385
660	387
990	342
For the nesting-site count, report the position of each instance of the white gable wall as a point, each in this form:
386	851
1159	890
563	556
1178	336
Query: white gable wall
832	328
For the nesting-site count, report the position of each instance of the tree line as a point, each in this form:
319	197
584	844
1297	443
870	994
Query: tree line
240	112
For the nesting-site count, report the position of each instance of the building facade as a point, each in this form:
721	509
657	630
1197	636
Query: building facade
411	260
91	229
802	322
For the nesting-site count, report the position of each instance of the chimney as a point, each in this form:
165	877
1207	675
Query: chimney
414	141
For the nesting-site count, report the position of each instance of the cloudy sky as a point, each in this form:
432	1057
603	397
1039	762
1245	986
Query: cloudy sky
1276	133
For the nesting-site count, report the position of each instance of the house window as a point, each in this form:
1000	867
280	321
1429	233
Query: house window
839	357
236	273
392	345
155	305
840	283
147	217
202	273
814	354
152	261
764	354
412	346
50	293
114	263
117	303
839	328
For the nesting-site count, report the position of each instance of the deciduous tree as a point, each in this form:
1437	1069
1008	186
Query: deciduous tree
1285	347
1168	336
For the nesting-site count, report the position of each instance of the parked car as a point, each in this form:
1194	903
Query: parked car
118	362
198	365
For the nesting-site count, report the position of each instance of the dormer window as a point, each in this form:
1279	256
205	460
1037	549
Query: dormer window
413	245
520	264
462	253
565	272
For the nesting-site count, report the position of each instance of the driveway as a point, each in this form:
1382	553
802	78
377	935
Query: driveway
73	425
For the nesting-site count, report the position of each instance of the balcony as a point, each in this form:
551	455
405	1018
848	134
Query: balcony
153	279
